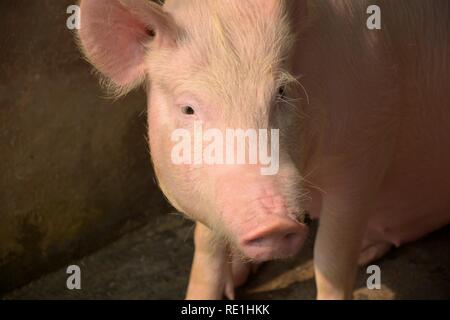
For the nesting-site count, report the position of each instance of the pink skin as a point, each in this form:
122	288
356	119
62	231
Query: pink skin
366	118
263	226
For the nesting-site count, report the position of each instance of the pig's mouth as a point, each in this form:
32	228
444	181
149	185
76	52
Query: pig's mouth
280	237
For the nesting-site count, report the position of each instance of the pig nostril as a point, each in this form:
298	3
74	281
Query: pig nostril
290	236
290	239
258	242
269	240
279	241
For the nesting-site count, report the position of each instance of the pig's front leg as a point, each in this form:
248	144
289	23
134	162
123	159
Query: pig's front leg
337	248
348	203
210	269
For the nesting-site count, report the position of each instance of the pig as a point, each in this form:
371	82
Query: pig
364	120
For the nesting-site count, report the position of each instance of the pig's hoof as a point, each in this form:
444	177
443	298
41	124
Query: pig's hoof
373	252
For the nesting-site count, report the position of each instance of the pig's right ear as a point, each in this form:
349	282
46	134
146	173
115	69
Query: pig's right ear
114	35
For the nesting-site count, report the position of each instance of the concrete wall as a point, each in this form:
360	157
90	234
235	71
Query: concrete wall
74	166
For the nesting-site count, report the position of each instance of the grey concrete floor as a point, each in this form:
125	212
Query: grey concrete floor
153	263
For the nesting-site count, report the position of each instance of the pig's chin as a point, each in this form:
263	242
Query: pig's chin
279	239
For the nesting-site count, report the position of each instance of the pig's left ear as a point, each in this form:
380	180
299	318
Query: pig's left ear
114	35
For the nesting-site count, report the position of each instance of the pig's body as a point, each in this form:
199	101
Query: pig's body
408	68
366	132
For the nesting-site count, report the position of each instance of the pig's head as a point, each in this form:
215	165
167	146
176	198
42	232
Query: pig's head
225	65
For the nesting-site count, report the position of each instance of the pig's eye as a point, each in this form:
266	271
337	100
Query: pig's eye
188	110
281	92
150	32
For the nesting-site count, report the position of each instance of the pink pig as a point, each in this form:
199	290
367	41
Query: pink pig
364	119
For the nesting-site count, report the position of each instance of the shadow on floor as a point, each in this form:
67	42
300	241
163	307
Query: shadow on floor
154	261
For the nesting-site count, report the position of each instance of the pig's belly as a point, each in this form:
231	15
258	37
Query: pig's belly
415	196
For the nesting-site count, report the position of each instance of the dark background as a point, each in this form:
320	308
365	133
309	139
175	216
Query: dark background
75	172
76	186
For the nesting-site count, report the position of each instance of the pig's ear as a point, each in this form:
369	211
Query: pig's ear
114	36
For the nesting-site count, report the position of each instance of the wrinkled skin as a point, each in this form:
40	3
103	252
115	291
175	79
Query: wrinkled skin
363	128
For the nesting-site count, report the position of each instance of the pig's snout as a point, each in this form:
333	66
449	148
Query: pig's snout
265	220
280	237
